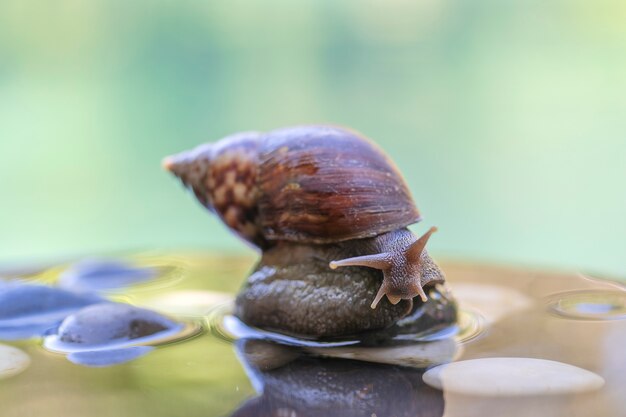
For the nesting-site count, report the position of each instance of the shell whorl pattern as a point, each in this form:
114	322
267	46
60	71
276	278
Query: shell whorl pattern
231	187
315	184
325	184
223	178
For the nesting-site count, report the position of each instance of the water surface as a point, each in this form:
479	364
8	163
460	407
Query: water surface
226	369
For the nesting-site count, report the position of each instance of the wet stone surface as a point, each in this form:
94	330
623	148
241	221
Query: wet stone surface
107	323
294	291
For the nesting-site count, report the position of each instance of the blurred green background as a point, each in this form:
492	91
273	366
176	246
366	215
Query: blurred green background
508	118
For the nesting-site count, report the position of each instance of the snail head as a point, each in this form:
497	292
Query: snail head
405	271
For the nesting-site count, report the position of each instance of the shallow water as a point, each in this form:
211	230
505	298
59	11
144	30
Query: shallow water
221	367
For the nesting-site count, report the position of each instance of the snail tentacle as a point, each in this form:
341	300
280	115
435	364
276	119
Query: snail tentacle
382	261
414	251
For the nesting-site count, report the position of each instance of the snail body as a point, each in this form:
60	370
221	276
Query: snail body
326	189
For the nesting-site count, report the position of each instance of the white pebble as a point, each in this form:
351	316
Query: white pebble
12	361
499	377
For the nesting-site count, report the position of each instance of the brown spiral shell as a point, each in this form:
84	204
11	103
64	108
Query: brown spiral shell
317	184
325	184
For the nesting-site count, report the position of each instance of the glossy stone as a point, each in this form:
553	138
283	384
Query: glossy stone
512	377
107	323
293	291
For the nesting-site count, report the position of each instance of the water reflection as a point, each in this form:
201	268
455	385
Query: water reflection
420	355
102	274
114	276
290	383
108	357
589	305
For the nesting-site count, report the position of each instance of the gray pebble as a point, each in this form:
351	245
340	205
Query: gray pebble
106	323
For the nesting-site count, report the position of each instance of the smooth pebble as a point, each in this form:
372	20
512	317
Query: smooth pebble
12	361
107	323
499	377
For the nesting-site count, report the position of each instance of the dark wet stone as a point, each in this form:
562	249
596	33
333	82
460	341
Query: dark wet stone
108	357
33	310
293	291
106	323
96	274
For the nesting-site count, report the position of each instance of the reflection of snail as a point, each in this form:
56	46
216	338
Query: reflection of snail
293	384
309	198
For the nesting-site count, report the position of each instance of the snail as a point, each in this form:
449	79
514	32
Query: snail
314	199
